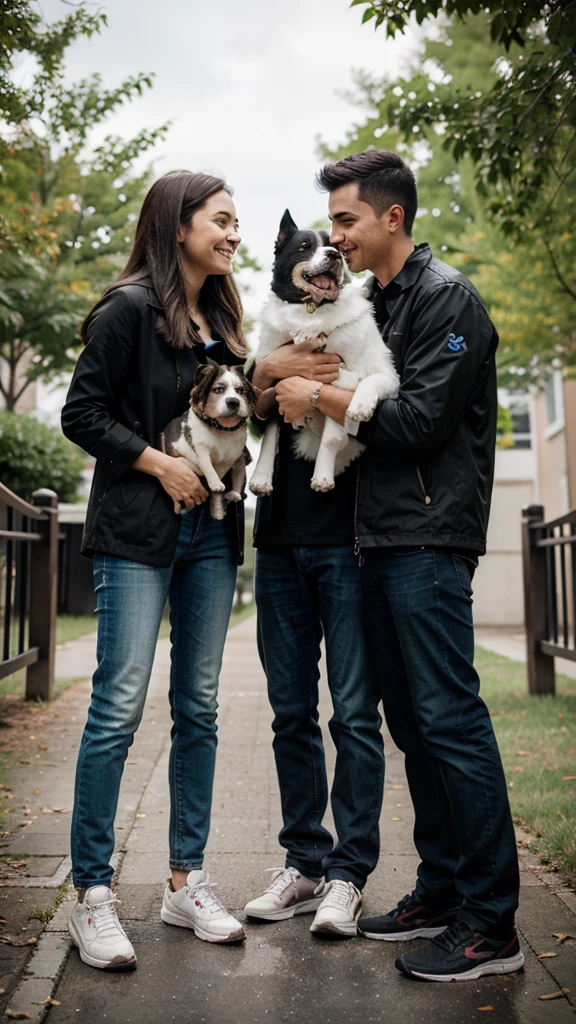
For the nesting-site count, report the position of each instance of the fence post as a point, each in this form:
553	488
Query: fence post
43	596
541	675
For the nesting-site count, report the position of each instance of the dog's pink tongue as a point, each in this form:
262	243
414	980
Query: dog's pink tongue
325	282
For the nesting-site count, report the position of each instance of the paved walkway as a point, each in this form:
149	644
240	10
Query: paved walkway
281	973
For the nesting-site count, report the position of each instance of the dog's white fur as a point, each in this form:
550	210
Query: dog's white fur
367	369
211	453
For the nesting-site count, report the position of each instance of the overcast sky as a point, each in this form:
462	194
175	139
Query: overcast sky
248	84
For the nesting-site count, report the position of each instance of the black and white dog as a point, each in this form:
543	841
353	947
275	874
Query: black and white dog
211	445
310	300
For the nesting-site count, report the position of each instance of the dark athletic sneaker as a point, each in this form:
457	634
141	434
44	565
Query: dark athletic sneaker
409	920
460	954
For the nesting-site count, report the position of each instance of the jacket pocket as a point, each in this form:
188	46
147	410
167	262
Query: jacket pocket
131	486
422	485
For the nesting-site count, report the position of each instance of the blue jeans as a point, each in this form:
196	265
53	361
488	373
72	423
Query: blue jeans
302	593
130	601
418	614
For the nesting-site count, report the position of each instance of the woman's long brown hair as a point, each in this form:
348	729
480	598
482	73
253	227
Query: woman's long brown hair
173	200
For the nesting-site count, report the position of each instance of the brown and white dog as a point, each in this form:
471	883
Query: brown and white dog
211	436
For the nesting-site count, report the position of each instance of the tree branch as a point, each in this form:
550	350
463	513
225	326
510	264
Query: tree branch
566	287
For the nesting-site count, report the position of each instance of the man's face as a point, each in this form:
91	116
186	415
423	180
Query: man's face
363	238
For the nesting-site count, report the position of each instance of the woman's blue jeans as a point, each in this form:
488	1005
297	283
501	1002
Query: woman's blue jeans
130	600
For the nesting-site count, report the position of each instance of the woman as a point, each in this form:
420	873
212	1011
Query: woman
143	342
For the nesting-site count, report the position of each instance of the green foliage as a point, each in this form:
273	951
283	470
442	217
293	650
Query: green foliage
67	214
33	455
528	301
518	129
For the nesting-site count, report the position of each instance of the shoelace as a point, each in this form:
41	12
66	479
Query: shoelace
104	916
453	936
341	894
403	904
206	897
281	879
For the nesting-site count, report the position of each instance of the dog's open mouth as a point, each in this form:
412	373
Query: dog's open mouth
323	286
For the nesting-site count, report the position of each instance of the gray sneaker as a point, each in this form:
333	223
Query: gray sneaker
289	893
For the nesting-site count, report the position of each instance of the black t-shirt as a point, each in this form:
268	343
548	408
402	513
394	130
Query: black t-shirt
296	515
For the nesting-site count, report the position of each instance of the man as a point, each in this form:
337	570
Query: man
308	587
422	513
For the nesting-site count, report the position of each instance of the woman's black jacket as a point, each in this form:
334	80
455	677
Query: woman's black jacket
129	382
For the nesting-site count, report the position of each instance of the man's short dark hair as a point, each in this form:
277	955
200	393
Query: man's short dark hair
383	180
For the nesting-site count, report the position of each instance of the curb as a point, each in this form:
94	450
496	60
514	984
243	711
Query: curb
45	968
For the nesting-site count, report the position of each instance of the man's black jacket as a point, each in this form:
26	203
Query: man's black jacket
128	383
426	475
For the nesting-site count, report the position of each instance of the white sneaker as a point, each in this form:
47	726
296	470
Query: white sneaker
196	906
96	930
289	893
339	910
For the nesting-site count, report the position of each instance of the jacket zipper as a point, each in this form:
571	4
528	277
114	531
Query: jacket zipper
427	498
178	383
357	551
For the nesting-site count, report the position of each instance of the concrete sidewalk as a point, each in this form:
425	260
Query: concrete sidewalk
281	973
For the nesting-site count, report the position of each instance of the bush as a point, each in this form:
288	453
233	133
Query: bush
33	455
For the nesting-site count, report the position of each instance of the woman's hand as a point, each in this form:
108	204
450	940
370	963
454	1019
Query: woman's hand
302	360
175	475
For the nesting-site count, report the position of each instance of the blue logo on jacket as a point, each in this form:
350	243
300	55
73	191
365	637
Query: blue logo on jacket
457	344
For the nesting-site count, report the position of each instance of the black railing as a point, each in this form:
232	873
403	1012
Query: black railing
549	555
28	589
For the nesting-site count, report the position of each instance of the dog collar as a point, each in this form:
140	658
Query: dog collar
215	425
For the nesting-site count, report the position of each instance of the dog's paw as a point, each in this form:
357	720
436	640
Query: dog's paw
321	483
261	487
362	409
233	496
301	336
218	489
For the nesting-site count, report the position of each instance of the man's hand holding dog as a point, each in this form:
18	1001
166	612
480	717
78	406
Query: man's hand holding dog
294	400
297	360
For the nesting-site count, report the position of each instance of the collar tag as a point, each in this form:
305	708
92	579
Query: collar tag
310	306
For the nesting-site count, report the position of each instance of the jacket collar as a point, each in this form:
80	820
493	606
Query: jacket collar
417	260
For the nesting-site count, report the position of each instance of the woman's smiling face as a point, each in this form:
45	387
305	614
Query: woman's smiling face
209	242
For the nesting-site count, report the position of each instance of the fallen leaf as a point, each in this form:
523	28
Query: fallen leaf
50	1002
60	810
24	761
396	787
518	768
17	863
131	762
568	778
522	753
563	728
7	940
545	956
140	815
555	995
17	1015
485	1007
396	819
47	810
562	936
524	842
36	792
43	746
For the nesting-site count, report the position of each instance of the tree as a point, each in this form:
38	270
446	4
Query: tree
533	313
67	213
520	132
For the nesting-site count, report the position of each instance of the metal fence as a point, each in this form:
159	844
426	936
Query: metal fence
28	589
549	562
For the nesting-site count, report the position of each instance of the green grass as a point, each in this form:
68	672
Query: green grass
71	627
537	739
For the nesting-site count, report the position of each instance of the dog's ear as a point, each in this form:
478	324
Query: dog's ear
287	229
251	395
203	382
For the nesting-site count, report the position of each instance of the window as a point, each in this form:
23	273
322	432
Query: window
554	403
